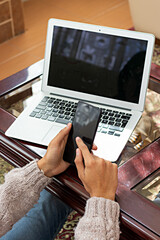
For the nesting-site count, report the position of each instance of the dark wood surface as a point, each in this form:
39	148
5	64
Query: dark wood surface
21	78
139	217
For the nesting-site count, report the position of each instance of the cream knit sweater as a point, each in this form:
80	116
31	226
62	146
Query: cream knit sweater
22	188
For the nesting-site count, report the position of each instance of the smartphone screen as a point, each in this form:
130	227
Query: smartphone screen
84	125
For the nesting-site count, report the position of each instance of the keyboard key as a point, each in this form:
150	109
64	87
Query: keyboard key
105	117
111	119
67	113
45	99
54	110
43	103
105	114
58	100
42	111
61	108
63	121
117	124
128	114
67	117
44	117
108	110
50	105
49	113
50	100
123	125
41	107
67	105
110	132
38	115
125	117
118	120
55	114
48	108
120	129
125	121
117	115
110	123
51	118
37	110
104	121
61	112
61	116
117	134
56	106
103	110
111	114
103	131
32	114
105	126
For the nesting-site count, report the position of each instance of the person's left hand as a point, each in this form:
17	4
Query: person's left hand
52	163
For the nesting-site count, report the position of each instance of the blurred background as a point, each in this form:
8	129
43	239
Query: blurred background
23	25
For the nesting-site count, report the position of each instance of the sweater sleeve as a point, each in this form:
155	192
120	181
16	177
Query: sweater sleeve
100	221
19	193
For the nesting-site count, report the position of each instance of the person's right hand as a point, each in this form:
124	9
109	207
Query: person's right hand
99	177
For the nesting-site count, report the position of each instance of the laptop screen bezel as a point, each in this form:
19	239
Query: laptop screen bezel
106	30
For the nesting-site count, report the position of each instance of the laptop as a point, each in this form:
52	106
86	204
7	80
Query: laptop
103	66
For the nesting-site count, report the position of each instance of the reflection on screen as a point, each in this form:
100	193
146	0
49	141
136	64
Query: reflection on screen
96	63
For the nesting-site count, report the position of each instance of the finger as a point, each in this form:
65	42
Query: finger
63	134
94	147
69	126
79	163
85	152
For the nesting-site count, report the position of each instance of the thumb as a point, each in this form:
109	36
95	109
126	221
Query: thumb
63	134
79	163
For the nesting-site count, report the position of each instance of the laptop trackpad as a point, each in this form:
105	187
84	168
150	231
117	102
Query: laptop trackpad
53	131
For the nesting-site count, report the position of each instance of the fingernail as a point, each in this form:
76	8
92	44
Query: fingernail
77	138
69	124
77	152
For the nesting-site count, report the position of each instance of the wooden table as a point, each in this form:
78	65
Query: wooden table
140	218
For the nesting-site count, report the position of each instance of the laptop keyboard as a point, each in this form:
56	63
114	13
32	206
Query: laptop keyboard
63	111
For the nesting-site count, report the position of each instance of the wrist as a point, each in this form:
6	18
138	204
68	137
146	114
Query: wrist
110	196
45	168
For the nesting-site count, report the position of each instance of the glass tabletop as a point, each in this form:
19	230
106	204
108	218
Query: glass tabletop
146	131
150	188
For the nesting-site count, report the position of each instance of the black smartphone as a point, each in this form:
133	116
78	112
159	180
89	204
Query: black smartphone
84	125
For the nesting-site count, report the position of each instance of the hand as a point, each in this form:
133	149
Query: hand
52	163
99	177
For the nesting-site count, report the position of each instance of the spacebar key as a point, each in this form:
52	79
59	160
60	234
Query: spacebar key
63	121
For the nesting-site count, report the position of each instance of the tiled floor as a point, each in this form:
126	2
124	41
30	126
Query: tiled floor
26	49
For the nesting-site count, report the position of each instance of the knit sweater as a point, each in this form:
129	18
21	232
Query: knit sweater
22	188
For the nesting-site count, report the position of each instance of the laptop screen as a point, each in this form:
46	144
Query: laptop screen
97	63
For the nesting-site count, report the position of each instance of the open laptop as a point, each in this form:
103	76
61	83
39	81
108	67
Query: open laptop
106	67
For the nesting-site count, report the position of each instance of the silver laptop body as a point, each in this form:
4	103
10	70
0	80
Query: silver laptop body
106	67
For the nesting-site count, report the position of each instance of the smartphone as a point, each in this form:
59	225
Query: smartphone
84	125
